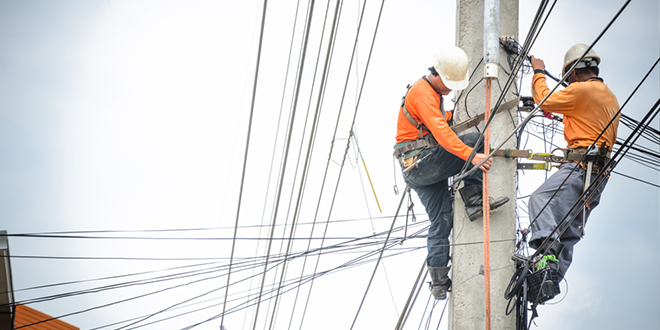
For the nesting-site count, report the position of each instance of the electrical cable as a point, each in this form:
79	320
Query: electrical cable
314	275
277	129
353	54
300	191
422	230
280	185
330	51
70	234
247	143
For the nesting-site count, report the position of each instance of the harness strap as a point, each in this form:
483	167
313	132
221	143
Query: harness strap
412	120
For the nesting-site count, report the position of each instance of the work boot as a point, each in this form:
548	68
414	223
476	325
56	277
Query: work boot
550	256
473	199
550	265
440	282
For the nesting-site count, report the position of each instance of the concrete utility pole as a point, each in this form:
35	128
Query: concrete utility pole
467	305
6	287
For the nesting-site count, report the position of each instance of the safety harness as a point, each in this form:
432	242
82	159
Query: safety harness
422	141
428	141
421	127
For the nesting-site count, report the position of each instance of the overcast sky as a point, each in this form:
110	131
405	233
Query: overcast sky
133	116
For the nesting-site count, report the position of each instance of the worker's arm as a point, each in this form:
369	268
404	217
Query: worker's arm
560	101
428	108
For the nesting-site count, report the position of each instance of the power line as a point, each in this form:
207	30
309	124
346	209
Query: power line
247	143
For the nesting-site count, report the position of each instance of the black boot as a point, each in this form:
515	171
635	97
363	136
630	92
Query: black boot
440	282
544	284
473	200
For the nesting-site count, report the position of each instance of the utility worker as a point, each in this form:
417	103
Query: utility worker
425	139
588	105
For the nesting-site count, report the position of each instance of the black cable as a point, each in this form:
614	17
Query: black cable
424	229
354	262
372	253
57	233
366	70
247	143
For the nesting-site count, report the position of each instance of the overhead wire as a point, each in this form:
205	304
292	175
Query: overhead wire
295	172
247	143
371	253
102	306
289	135
186	302
321	94
277	129
353	54
71	234
305	172
322	90
387	278
353	262
359	97
312	137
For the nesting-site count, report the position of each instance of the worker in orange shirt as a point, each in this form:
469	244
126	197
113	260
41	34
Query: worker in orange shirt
587	105
430	153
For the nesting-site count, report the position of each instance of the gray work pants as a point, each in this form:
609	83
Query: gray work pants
569	232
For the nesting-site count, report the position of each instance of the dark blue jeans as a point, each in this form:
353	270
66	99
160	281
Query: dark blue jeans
430	180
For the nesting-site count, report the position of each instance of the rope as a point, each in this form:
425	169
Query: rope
371	183
486	211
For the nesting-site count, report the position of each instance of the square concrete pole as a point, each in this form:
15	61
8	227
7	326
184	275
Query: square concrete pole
6	287
467	300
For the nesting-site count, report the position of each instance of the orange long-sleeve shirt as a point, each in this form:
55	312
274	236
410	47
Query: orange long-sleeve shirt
587	108
423	103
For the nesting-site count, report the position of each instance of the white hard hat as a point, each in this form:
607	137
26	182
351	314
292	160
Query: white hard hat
451	63
589	60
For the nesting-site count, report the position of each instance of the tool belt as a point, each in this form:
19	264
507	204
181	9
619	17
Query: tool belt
581	156
428	141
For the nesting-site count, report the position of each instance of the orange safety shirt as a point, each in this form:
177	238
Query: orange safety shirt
587	107
423	103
